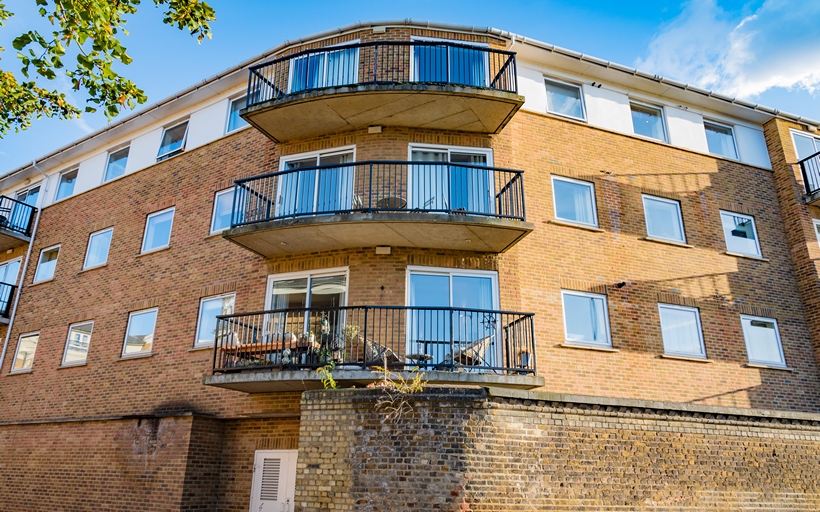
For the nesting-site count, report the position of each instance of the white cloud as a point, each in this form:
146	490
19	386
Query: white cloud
778	45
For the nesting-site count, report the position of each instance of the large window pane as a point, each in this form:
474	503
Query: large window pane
739	231
721	139
762	341
648	121
681	331
98	246
223	211
140	335
173	141
116	164
25	352
79	339
209	309
564	99
47	264
66	187
158	230
234	121
574	201
8	272
806	146
585	318
663	219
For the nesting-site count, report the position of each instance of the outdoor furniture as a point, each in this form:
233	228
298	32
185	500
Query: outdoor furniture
473	354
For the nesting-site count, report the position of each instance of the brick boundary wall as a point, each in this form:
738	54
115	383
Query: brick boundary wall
487	449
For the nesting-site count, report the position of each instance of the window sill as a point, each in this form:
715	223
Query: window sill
72	365
18	372
587	227
588	347
136	356
687	358
95	267
747	256
41	282
201	348
216	233
153	251
667	242
767	367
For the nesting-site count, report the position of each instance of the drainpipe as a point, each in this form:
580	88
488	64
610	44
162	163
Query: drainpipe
24	269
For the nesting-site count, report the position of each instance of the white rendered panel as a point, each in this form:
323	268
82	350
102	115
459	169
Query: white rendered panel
751	144
91	173
531	86
686	129
608	109
143	151
207	124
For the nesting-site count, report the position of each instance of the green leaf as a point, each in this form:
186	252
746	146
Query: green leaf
20	42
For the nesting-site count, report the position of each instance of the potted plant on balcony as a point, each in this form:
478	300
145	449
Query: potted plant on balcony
524	358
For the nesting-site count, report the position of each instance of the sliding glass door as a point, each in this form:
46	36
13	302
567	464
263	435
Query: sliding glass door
324	69
441	184
316	191
449	64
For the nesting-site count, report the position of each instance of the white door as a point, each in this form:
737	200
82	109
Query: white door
274	481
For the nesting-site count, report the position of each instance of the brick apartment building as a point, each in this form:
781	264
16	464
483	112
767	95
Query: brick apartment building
608	278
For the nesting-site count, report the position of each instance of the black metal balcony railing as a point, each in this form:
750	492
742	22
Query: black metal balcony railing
811	173
355	337
393	62
16	215
383	186
6	298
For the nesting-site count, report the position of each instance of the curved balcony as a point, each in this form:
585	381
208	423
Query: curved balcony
281	349
440	205
435	85
16	222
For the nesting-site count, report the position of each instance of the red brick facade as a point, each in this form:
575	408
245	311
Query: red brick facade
149	431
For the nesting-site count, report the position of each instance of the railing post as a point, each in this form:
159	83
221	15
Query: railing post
375	63
364	331
532	343
447	60
452	344
370	192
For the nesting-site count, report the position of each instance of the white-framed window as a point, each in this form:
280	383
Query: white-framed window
565	99
46	264
449	178
432	329
574	201
66	186
24	355
99	243
763	341
76	346
682	335
740	233
117	161
816	224
29	195
9	270
648	121
173	141
139	335
663	219
805	145
223	211
235	122
721	139
307	190
158	230
274	480
330	68
209	309
586	319
450	64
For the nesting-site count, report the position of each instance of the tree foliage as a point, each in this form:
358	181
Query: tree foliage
86	35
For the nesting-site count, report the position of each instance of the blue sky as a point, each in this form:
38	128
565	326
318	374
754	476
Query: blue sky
765	51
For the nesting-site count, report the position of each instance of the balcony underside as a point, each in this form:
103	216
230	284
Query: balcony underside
335	109
12	240
422	230
262	381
